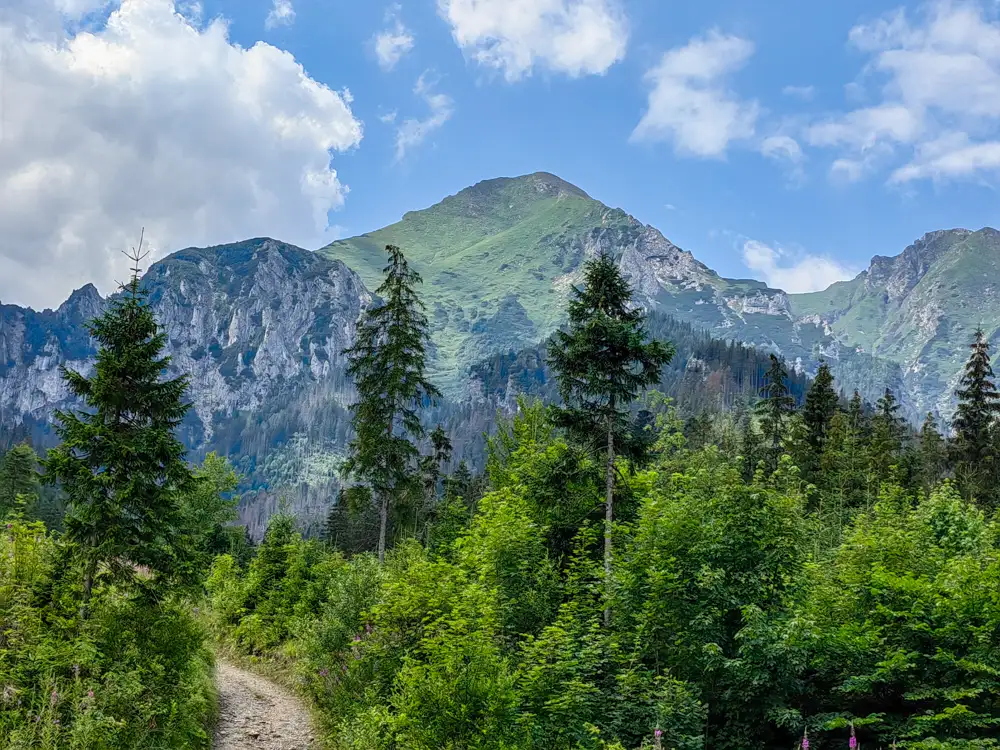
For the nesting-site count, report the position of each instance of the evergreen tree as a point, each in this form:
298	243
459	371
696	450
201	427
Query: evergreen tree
120	462
774	409
387	362
820	406
888	430
601	363
19	480
974	422
933	454
432	464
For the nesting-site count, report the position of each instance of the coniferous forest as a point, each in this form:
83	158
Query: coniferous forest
806	570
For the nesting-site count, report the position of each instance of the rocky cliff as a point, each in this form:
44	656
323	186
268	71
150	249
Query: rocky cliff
258	326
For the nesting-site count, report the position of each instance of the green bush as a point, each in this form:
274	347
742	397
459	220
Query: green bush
135	674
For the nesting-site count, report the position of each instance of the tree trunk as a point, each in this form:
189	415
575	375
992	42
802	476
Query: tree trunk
608	518
383	521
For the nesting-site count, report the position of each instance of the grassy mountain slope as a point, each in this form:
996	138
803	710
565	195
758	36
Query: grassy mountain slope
498	261
919	308
494	260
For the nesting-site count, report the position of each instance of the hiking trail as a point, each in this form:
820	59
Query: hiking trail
256	714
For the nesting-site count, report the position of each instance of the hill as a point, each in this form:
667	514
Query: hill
499	259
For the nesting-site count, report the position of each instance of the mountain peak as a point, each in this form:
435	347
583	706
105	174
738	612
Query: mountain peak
85	301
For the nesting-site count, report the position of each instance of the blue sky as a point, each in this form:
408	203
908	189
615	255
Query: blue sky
784	140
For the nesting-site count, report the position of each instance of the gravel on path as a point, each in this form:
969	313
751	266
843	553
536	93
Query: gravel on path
256	714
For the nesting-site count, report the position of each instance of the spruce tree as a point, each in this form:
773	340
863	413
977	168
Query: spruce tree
19	479
120	462
933	454
601	363
774	409
819	408
888	430
974	422
387	362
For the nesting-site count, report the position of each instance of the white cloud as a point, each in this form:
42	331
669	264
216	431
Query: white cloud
282	14
688	101
152	121
939	99
575	37
413	132
389	117
793	273
805	93
782	147
392	43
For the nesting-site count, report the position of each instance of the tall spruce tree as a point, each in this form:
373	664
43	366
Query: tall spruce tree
387	362
975	421
601	363
820	406
933	454
120	462
887	433
774	409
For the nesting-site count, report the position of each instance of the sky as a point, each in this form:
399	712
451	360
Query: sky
784	141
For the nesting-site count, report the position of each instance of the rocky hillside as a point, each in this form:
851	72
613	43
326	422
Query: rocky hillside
258	325
919	309
499	259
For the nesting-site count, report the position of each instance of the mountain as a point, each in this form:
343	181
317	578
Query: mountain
499	260
258	326
919	308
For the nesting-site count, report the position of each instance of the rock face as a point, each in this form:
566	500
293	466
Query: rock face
919	309
258	326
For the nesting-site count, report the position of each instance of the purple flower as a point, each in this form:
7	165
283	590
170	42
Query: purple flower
54	698
90	693
658	733
357	639
853	743
324	673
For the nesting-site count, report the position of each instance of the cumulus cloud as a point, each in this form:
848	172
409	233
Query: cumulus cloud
574	37
689	103
150	120
282	14
938	96
394	42
793	273
413	132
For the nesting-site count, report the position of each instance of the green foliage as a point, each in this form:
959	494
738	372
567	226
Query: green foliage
19	480
134	675
387	362
121	463
902	626
774	409
975	424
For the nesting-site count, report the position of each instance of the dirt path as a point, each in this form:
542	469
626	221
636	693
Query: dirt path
256	714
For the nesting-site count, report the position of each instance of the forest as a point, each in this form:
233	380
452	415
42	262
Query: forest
806	570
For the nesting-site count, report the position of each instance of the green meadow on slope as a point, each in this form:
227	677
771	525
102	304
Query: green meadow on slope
496	261
919	308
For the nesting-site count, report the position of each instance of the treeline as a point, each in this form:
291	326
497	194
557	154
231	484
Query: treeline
103	546
802	572
706	375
